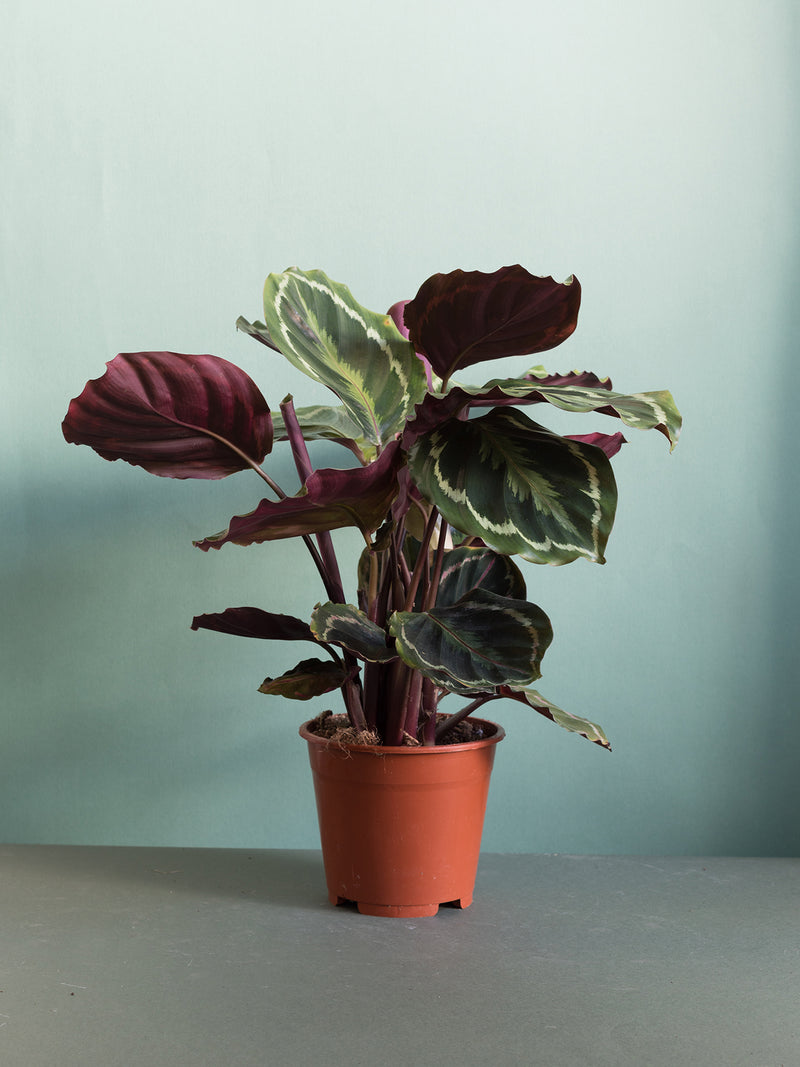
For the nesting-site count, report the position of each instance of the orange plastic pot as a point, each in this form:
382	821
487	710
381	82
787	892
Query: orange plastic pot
401	827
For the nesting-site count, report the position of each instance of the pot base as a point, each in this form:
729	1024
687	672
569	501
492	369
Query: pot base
401	911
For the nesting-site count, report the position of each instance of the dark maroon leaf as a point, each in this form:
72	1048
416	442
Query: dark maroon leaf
310	678
253	622
465	317
176	415
330	499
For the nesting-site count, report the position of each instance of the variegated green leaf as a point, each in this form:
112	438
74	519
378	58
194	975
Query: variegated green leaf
641	411
310	678
519	487
348	627
574	723
318	325
258	331
319	422
466	569
480	642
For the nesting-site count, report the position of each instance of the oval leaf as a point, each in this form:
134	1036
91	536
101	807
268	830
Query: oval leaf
176	415
360	355
310	678
348	627
519	487
466	569
574	723
254	622
481	642
465	317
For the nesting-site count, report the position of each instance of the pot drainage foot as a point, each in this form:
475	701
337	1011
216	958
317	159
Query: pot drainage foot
462	902
397	911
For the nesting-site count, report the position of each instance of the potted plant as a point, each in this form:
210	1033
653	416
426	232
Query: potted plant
447	482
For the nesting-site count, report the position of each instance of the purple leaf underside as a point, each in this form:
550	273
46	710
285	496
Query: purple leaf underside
254	622
175	415
330	500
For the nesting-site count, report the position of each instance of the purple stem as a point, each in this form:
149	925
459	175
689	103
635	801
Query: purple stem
331	575
447	724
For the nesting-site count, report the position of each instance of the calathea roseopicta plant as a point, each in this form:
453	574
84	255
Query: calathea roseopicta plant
451	482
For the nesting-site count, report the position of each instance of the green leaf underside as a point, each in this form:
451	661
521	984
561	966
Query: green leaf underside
519	487
360	355
574	723
481	642
310	678
466	569
348	627
641	411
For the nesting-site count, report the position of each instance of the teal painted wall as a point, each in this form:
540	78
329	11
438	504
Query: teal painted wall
160	158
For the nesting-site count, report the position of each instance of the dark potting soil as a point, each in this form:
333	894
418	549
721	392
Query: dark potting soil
337	728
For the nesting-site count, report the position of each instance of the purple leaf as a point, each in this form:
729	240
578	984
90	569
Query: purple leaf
253	622
610	443
178	416
465	317
330	499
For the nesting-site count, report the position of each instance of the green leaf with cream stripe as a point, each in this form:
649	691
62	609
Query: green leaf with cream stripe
642	411
574	723
466	569
475	645
320	422
521	488
359	354
347	626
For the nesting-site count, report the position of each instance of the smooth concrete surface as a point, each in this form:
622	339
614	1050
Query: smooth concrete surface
137	956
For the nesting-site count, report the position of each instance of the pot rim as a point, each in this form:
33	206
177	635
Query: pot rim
407	750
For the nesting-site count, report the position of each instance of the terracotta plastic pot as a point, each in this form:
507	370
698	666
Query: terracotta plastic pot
401	827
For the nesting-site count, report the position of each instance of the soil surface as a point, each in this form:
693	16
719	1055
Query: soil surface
337	728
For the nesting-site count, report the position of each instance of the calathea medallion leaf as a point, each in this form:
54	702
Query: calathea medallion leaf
520	488
574	723
319	326
330	500
465	317
348	627
310	678
480	642
466	569
176	415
